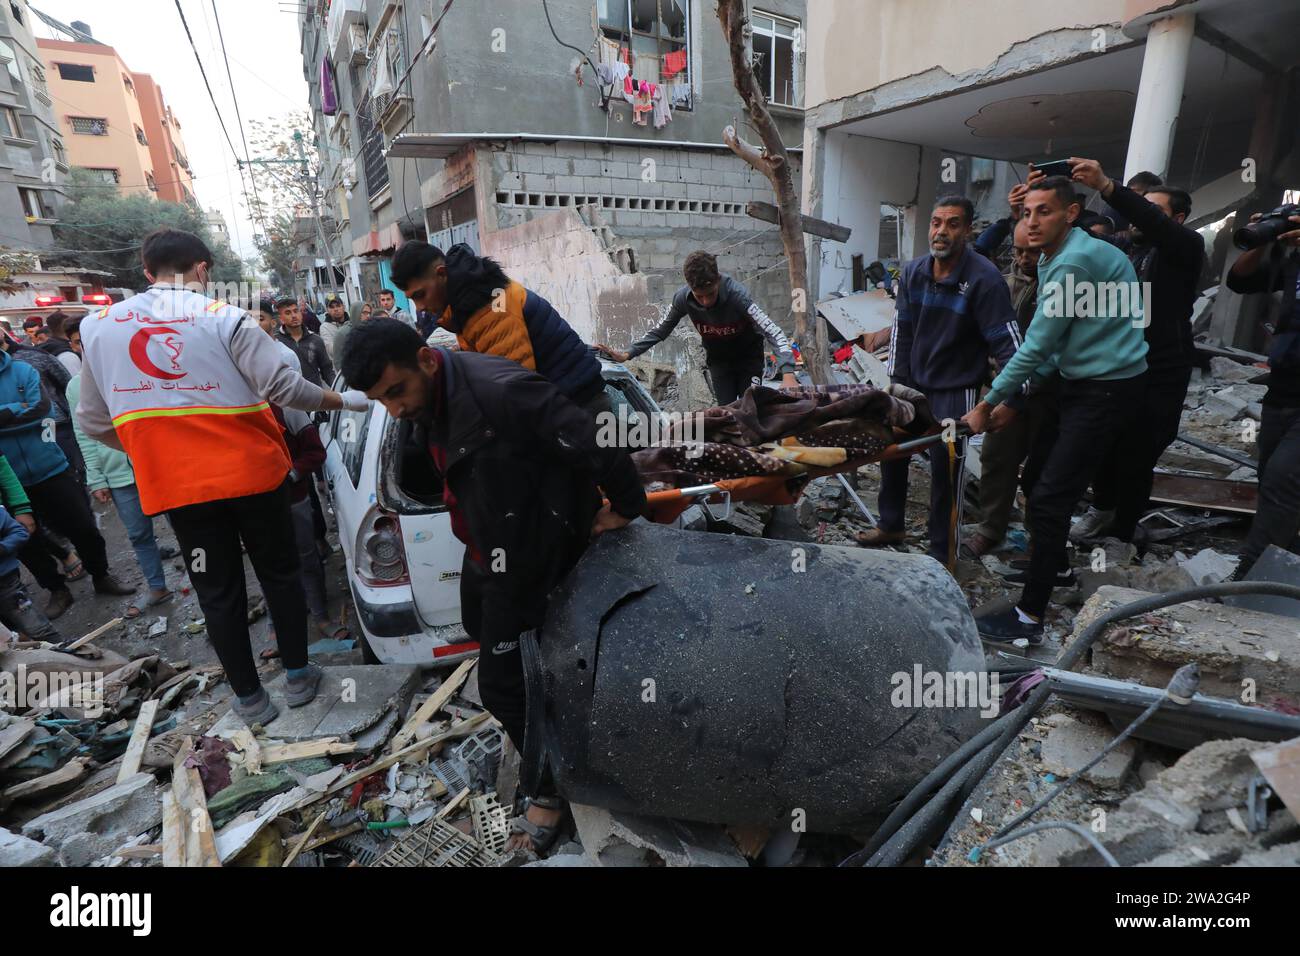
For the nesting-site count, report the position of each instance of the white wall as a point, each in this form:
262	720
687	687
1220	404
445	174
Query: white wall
860	174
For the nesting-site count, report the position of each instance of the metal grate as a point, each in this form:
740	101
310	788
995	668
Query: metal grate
437	843
372	149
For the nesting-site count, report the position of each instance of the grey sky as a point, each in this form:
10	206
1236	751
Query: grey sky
265	62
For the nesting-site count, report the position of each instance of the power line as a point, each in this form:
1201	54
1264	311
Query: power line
199	60
238	118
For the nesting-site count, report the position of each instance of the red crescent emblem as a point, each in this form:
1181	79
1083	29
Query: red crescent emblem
139	350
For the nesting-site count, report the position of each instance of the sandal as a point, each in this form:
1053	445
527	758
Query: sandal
74	571
542	837
138	607
976	546
332	631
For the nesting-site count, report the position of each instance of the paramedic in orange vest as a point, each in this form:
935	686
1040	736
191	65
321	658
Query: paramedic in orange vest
182	383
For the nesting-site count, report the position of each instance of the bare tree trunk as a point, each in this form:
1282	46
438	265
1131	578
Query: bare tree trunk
773	162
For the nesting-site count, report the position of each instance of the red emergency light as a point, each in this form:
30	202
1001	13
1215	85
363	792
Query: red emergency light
97	298
44	300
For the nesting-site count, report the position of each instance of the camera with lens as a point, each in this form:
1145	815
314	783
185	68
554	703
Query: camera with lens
1267	228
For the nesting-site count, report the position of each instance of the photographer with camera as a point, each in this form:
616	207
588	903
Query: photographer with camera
1265	267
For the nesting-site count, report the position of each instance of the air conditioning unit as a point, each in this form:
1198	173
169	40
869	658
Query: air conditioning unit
357	43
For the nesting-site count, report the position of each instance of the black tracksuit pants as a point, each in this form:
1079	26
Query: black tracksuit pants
946	478
497	629
1092	414
209	535
61	503
1123	482
731	378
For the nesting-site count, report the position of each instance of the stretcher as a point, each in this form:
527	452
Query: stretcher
667	506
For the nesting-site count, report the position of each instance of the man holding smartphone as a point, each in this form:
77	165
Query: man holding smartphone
1170	257
1100	353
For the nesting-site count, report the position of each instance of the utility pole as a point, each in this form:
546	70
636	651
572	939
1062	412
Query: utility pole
309	185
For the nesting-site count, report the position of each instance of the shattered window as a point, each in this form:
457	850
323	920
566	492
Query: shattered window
653	38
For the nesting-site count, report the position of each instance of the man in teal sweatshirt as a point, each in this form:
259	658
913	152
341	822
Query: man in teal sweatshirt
1088	326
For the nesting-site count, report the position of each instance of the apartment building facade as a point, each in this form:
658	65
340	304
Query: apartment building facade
115	123
34	159
488	131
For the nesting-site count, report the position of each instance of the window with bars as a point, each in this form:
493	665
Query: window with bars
12	124
776	41
76	72
89	125
130	87
105	174
60	153
139	137
149	181
372	149
653	36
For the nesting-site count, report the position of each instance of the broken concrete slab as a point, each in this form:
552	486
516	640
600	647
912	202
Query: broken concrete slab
1224	369
17	850
1244	655
350	703
1072	743
1208	566
92	828
625	839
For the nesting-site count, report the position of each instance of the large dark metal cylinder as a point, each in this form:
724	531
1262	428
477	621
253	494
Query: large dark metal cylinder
727	679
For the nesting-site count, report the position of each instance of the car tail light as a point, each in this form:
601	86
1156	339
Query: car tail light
381	556
97	298
44	300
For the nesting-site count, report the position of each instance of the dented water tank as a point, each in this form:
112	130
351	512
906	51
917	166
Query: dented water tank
728	679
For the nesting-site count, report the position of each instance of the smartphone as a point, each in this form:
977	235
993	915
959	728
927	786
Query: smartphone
1057	167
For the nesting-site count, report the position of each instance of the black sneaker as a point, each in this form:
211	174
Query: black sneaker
1064	579
1004	627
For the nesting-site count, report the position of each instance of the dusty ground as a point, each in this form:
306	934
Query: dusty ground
184	639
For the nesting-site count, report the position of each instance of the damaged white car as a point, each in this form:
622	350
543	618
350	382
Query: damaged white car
403	562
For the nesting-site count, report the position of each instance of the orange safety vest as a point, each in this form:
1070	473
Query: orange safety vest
192	425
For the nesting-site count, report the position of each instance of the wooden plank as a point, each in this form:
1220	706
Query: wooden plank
139	738
331	837
452	804
431	706
196	824
173	833
70	772
766	212
92	635
146	851
293	854
325	747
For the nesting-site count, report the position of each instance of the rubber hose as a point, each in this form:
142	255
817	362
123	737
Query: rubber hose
935	778
903	843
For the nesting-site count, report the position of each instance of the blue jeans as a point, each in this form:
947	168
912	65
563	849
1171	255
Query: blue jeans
139	528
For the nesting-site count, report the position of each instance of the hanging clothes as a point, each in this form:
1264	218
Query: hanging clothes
663	111
643	106
674	63
329	101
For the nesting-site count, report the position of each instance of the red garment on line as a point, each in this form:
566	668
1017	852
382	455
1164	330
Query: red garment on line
674	62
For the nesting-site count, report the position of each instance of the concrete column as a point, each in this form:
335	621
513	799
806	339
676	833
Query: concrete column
1160	94
916	220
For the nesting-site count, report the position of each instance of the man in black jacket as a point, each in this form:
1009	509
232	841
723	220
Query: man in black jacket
1169	256
522	479
1277	520
310	347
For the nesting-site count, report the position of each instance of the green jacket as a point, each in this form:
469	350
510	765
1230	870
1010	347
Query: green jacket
1089	322
105	467
12	494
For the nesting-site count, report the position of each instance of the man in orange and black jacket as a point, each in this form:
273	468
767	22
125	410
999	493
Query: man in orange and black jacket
470	296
